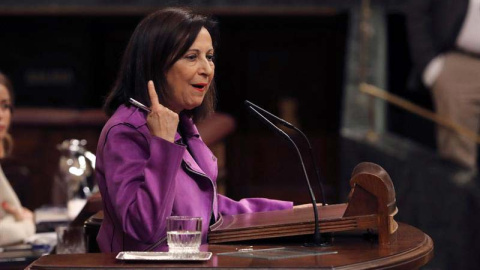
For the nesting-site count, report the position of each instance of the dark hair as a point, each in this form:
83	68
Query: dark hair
7	141
4	80
156	44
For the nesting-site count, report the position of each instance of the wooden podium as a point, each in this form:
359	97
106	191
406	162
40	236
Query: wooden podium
412	250
371	206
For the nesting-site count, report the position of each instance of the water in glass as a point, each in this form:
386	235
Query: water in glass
184	241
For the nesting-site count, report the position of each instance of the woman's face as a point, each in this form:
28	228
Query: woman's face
189	78
5	111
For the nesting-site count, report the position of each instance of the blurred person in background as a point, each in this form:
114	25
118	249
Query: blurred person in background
16	221
444	37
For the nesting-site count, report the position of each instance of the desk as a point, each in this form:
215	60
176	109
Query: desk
412	250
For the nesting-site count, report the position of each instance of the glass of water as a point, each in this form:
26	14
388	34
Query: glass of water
70	240
184	234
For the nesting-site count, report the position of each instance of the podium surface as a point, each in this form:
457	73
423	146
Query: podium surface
412	250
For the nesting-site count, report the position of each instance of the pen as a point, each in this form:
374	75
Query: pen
139	105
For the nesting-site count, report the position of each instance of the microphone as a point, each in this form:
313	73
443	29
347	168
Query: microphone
310	149
317	238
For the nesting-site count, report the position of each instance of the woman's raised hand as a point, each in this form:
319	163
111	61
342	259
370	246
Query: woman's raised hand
161	121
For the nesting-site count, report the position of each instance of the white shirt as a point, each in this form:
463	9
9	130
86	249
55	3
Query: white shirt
469	37
467	40
12	231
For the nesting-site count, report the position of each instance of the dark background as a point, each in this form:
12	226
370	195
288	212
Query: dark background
70	62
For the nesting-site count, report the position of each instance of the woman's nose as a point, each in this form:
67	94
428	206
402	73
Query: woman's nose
205	67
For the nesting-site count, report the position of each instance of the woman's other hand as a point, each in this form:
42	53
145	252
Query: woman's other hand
19	213
161	121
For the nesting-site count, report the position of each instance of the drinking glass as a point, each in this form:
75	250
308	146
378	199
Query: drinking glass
184	234
70	240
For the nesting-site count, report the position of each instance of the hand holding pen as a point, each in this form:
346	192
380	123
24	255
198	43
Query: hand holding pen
161	121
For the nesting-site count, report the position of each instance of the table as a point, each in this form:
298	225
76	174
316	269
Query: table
412	250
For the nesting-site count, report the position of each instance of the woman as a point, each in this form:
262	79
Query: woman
151	165
16	222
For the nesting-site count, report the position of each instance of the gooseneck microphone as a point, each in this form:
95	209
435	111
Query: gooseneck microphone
310	149
317	238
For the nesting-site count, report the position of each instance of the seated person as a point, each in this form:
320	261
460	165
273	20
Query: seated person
152	162
16	222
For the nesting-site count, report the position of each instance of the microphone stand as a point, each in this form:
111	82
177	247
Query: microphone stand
310	149
317	238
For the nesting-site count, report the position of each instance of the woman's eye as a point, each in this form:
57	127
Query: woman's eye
211	57
5	106
191	57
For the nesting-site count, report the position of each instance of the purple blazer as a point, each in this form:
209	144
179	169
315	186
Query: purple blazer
143	179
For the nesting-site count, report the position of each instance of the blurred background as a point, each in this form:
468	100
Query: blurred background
301	60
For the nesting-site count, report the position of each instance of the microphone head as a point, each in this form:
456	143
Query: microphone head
250	105
247	103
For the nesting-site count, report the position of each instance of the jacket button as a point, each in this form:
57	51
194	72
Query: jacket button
214	158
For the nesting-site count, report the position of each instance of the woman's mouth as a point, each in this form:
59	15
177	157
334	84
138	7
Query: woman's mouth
200	86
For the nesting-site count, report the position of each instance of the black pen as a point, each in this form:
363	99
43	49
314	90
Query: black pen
139	105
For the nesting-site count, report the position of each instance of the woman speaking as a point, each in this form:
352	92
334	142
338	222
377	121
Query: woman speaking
151	161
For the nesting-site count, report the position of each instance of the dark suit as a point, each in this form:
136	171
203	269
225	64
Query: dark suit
433	26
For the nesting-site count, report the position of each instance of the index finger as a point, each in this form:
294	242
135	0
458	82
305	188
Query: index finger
153	95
